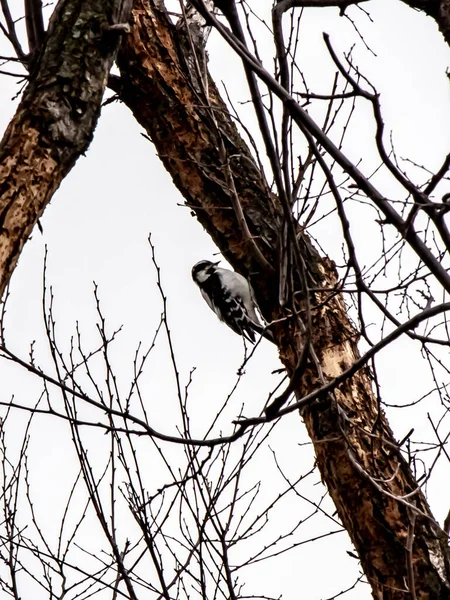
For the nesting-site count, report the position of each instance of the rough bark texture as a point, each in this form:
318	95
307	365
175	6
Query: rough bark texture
56	118
158	89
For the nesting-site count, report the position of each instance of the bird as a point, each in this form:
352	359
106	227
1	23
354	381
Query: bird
230	296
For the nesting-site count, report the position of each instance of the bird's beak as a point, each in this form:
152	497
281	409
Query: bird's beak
216	263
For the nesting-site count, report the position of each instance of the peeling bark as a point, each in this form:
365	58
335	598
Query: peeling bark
351	435
56	117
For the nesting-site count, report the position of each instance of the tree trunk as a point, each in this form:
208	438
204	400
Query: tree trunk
56	117
379	502
439	10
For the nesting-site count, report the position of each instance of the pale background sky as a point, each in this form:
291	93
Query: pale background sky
96	229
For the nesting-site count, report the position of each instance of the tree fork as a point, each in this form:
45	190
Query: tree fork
55	120
398	541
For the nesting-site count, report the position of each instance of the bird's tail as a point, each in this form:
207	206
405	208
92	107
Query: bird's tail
264	331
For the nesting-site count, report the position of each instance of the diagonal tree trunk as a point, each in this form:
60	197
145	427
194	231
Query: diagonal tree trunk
400	545
56	117
403	551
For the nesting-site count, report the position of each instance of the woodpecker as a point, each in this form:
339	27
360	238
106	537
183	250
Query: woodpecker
230	296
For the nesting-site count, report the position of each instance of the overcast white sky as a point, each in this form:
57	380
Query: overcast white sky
96	229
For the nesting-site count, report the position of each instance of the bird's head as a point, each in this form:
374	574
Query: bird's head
202	270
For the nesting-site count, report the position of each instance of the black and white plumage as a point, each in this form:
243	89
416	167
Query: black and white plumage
229	295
